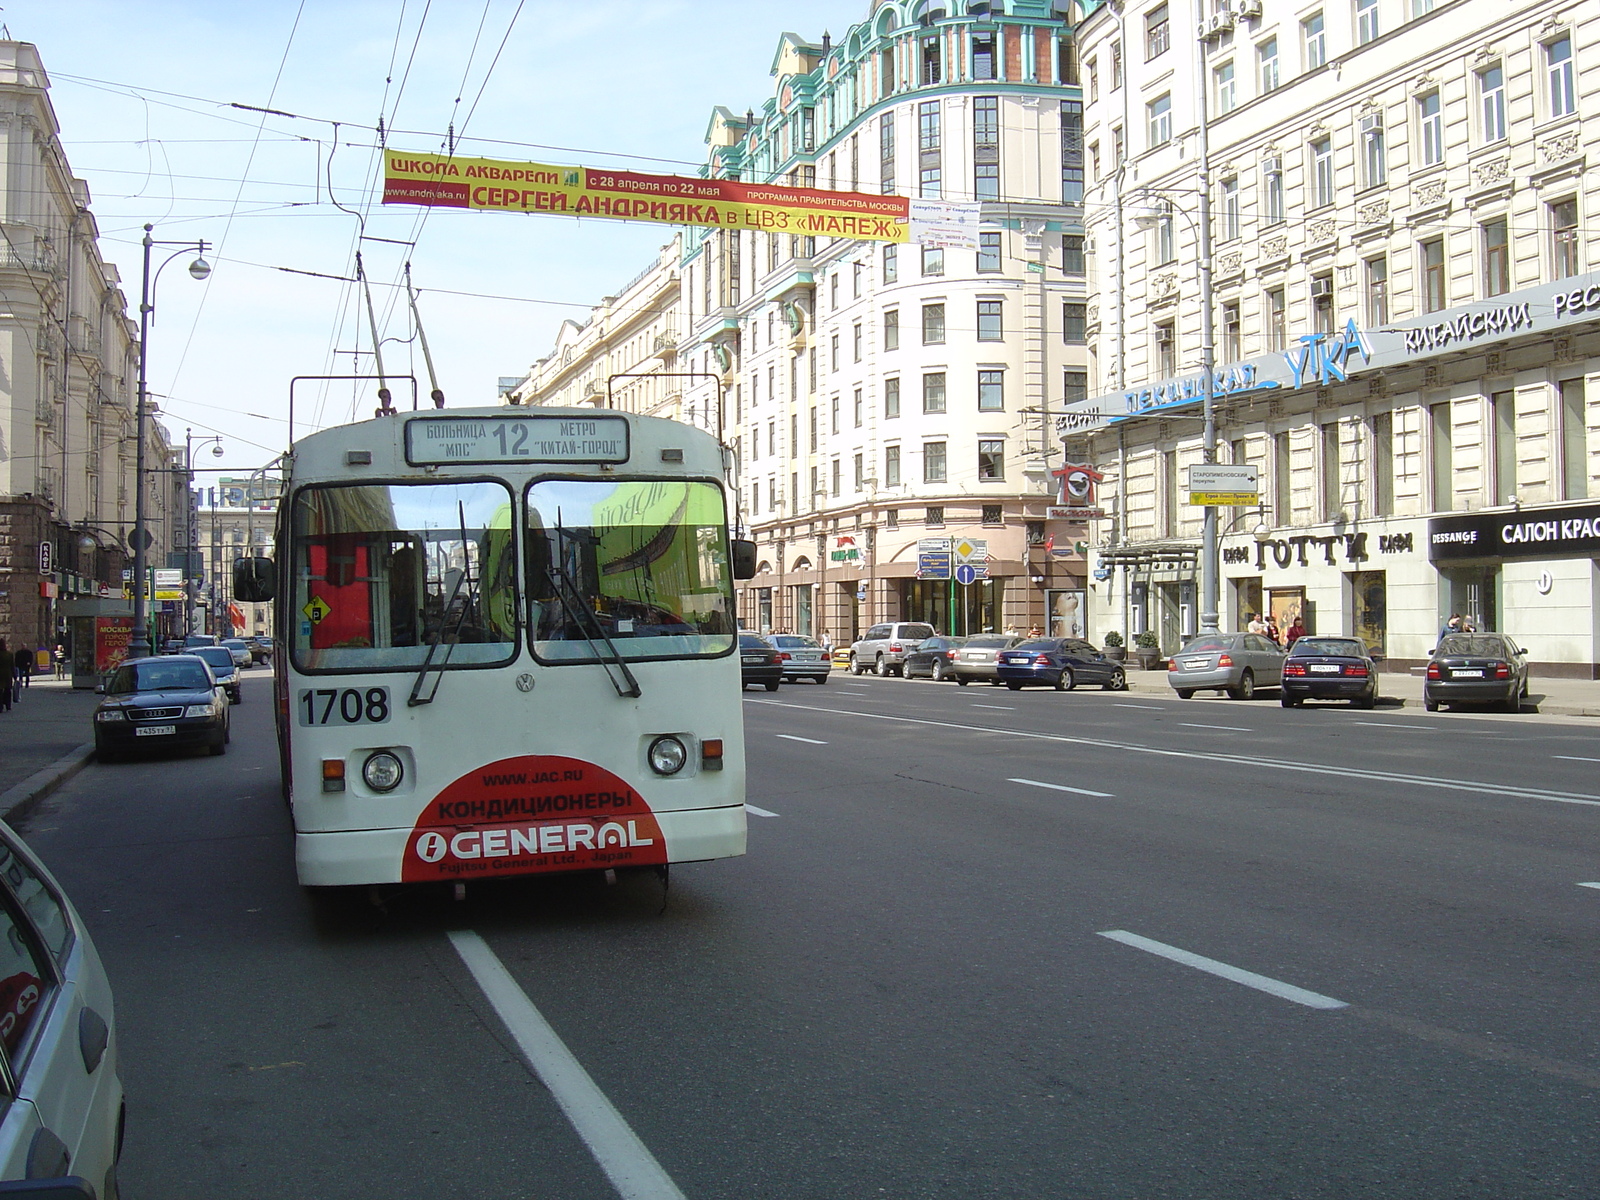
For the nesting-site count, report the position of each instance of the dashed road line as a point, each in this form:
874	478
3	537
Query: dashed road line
1573	758
1145	707
1262	983
998	707
1061	787
760	812
789	737
1418	725
1229	728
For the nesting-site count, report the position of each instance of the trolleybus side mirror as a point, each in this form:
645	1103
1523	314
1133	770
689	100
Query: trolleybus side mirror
744	558
255	580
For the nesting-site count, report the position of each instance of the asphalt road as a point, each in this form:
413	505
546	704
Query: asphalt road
1350	954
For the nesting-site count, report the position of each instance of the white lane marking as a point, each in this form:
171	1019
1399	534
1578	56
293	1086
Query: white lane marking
1262	983
998	707
760	812
1590	885
1343	772
630	1167
1574	758
1146	707
1229	728
789	737
1398	725
1061	787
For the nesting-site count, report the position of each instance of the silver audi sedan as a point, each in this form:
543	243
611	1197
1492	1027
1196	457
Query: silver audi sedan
1236	663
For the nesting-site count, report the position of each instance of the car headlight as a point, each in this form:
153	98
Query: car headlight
667	755
200	710
111	714
383	771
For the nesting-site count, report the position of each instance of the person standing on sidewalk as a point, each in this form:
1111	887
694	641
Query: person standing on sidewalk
8	668
61	661
24	667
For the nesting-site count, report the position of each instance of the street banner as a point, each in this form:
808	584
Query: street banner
439	181
952	224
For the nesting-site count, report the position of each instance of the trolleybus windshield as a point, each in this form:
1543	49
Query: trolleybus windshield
648	559
383	572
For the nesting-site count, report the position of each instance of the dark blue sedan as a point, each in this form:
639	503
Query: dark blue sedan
1061	663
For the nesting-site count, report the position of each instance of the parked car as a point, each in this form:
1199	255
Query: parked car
977	658
884	647
264	646
241	651
1329	668
200	639
161	703
802	657
1476	668
223	669
1061	663
759	663
1236	663
64	1103
934	657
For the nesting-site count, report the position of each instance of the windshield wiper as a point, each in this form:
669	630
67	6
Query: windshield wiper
465	577
588	624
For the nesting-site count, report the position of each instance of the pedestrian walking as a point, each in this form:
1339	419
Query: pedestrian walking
1456	624
26	660
827	643
1296	631
8	670
60	657
1256	625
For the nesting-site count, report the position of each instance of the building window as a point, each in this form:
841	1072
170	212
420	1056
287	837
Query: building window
1267	65
1421	8
891	329
933	515
891	466
855	281
1496	258
1564	238
1277	319
858	408
1071	152
833	424
1382	464
1159	113
1322	302
1230	208
933	468
1157	32
886	140
1366	21
933	392
860	472
932	324
1166	246
1232	333
986	147
1166	350
1272	192
1116	64
929	162
891	516
993	514
891	263
833	348
1558	72
1223	89
1503	420
991	321
812	428
1075	324
983	56
1434	295
1377	273
856	340
1374	153
1430	129
1443	464
1322	172
1492	103
991	460
989	251
816	487
991	391
932	63
932	261
1074	385
1315	38
1574	438
1072	256
891	398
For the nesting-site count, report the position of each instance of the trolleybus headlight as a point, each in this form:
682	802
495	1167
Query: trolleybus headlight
667	755
382	771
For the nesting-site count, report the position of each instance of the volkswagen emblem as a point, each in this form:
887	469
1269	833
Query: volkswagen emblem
525	682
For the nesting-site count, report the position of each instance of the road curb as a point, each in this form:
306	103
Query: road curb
17	801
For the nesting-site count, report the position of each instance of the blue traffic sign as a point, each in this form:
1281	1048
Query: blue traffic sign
966	573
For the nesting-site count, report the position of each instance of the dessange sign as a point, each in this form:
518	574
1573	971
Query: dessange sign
1571	531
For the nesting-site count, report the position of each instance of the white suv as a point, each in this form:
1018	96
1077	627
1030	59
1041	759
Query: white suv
883	648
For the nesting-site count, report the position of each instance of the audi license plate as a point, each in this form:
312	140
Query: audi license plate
154	730
1324	668
1466	674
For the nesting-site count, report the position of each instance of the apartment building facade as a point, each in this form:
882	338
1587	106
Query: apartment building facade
1406	316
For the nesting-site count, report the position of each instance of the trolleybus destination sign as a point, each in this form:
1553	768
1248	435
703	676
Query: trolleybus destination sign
438	441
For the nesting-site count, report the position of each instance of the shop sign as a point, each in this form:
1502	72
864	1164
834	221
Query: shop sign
1569	531
845	549
1075	499
1296	551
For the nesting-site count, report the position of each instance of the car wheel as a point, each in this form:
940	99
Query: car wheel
1429	704
772	686
1015	687
855	667
822	679
1185	693
1247	687
1066	681
1370	700
1118	681
104	754
938	672
1514	701
1288	701
962	681
882	668
906	672
217	749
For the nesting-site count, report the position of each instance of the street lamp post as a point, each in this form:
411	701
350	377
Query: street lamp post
139	643
192	541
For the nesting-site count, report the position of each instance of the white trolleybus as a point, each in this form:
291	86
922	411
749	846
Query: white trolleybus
508	646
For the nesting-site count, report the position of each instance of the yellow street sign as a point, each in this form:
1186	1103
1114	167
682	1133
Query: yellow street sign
1226	499
316	610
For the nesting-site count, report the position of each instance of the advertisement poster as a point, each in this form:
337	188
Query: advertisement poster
111	638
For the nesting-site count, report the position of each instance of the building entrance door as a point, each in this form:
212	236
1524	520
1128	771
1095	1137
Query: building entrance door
1369	609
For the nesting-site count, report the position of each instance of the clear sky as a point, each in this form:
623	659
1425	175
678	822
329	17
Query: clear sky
143	91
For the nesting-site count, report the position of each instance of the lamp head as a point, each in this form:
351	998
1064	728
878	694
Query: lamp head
1150	214
217	451
200	268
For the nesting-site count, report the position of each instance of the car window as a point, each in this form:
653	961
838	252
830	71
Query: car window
1039	645
1341	646
26	984
877	631
1470	643
988	641
750	641
930	644
217	656
44	908
916	631
1206	643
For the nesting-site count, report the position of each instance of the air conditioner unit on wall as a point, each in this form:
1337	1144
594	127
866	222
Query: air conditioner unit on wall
1219	24
1247	10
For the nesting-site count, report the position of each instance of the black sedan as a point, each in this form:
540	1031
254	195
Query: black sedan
223	669
161	703
1476	668
1329	668
759	663
1061	663
934	657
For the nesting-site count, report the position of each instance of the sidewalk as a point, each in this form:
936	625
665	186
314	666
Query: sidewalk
45	738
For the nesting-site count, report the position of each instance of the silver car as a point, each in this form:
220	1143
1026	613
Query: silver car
1236	663
976	659
883	648
802	657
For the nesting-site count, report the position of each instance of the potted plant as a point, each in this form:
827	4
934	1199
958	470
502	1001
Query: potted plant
1148	648
1115	650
